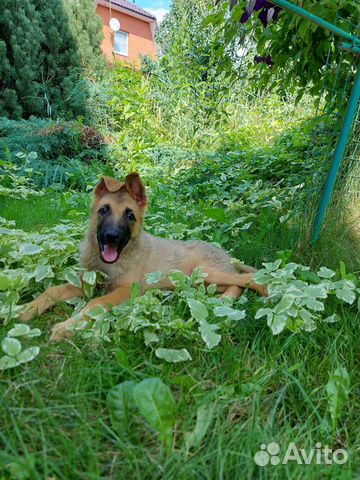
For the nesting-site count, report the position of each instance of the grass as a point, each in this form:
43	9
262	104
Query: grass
263	388
34	213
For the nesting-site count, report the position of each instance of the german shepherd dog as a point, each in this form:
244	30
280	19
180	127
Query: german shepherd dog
116	244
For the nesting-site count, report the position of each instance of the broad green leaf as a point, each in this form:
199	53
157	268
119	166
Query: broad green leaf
262	277
204	416
271	266
284	304
217	214
153	277
198	310
337	390
157	405
277	323
21	329
97	313
173	355
198	275
120	402
11	346
73	278
207	331
308	318
346	295
262	312
43	271
211	289
325	273
315	291
8	362
178	278
5	282
29	249
150	336
18	330
231	313
89	277
313	304
28	354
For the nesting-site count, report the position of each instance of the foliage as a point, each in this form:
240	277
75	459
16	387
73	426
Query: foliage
40	65
152	399
52	140
210	197
45	153
293	303
337	390
11	346
289	43
86	28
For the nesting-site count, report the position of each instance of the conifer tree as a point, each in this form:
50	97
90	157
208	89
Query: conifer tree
46	47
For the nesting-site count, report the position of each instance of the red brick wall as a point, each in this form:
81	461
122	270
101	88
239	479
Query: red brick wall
140	40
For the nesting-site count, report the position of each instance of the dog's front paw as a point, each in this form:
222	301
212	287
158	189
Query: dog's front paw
264	291
29	312
61	330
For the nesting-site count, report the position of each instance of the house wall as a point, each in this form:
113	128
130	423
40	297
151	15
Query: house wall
140	41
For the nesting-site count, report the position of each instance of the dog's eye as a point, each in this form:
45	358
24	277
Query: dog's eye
130	216
104	210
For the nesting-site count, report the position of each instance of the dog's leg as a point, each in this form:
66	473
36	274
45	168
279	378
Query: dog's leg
117	296
48	299
232	292
246	268
227	278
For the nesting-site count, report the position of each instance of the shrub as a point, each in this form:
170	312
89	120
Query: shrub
52	140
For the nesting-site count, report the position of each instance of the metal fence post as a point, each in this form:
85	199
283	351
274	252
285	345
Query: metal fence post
338	155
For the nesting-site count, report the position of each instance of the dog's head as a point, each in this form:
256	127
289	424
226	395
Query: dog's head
118	211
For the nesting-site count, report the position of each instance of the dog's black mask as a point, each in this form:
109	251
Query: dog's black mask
112	236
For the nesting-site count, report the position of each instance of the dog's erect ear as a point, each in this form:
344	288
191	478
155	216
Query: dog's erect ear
136	188
108	185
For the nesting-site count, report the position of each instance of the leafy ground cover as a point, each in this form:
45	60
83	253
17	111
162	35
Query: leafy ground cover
180	384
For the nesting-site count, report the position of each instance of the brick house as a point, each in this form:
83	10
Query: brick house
136	34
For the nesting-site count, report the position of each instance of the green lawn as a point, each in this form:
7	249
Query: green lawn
33	213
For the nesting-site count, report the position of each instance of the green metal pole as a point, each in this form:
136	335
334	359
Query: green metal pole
349	48
338	154
315	19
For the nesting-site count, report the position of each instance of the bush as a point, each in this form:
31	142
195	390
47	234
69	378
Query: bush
52	140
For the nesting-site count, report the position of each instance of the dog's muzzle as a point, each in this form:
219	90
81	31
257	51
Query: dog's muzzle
112	242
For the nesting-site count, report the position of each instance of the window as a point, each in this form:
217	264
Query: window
121	43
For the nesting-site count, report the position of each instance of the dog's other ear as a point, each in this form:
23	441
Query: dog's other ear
107	185
136	188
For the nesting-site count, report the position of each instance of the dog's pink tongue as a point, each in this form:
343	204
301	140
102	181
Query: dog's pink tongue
109	253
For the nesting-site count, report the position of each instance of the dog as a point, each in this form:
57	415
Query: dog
117	245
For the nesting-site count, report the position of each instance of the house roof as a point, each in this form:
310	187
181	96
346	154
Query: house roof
132	8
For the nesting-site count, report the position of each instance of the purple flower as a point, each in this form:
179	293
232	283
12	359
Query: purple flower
260	59
268	11
268	14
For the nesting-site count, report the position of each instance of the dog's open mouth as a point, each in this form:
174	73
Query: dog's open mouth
110	253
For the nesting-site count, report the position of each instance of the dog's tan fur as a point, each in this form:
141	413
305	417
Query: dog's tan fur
143	254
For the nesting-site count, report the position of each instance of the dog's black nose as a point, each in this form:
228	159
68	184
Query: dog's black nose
111	236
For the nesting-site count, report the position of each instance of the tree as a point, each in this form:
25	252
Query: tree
20	48
42	59
86	28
